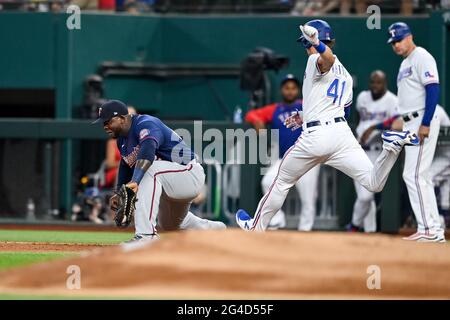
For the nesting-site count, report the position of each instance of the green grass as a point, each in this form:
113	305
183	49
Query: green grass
8	296
14	259
89	237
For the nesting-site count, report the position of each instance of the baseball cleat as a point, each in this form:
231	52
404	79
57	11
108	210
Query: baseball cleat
396	140
216	225
353	228
425	237
440	239
244	220
139	241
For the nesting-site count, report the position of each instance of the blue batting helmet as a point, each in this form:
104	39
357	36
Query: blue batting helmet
398	31
324	29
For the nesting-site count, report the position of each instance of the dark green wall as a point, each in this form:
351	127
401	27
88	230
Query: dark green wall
40	52
27	50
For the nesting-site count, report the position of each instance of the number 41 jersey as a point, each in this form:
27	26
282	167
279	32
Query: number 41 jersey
325	94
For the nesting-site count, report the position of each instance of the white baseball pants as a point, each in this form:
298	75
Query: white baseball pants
333	144
365	209
166	192
307	192
440	172
418	179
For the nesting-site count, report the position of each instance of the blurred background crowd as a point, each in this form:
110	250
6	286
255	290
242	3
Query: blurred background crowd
294	7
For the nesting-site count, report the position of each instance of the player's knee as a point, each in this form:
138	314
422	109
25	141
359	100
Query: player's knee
366	197
408	177
375	189
266	182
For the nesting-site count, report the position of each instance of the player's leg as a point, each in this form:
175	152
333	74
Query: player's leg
417	177
364	209
147	206
192	222
177	182
181	185
363	205
350	158
295	163
445	200
149	196
172	212
279	219
307	191
370	221
181	182
354	162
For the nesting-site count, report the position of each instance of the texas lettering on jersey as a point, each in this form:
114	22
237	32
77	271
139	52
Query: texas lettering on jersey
275	114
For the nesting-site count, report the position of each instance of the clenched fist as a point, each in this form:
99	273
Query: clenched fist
311	34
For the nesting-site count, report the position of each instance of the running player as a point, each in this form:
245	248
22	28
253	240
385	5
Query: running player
275	115
326	138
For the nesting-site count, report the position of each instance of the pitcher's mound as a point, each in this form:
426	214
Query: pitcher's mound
236	264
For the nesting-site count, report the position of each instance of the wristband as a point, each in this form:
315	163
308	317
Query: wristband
138	174
321	47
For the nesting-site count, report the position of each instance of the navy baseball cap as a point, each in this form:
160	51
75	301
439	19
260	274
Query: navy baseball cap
111	109
398	31
290	77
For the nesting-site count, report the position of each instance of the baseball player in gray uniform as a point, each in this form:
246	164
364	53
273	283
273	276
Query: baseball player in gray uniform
418	94
378	109
326	137
158	165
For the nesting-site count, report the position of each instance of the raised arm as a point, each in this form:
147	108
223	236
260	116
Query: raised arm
326	59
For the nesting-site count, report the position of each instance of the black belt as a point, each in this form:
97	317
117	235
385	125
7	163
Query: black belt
318	123
407	118
369	148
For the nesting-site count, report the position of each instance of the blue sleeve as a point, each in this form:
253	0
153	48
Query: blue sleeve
148	130
147	150
124	175
432	97
347	112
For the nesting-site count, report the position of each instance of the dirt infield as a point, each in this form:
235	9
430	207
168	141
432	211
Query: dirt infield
45	247
236	264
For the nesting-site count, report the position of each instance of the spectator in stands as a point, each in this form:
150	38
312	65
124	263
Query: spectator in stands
135	6
104	5
345	7
86	4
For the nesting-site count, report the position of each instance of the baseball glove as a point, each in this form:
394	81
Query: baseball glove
124	206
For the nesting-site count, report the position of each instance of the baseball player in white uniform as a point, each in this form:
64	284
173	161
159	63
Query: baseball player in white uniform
275	114
440	169
418	94
326	138
377	108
